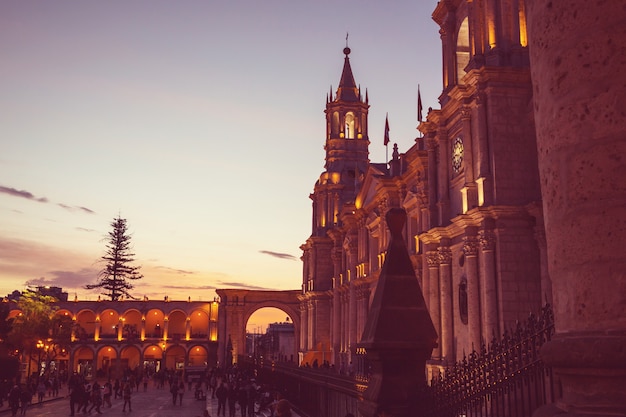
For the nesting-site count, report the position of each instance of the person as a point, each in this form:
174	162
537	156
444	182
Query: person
232	399
117	389
221	393
77	391
96	397
41	391
283	409
181	392
126	393
25	398
14	399
174	391
108	391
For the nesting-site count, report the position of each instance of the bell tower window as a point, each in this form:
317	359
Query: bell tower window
462	50
349	126
335	124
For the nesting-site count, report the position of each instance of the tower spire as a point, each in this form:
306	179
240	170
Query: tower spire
347	90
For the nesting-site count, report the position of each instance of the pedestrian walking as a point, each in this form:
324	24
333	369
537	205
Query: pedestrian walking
127	392
181	392
221	393
14	399
106	395
76	397
96	398
26	397
41	391
174	391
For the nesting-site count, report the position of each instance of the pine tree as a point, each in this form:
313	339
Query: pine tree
118	272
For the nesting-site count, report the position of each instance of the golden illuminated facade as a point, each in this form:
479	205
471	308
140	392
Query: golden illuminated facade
470	187
111	337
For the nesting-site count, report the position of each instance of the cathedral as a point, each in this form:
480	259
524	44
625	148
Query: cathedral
469	185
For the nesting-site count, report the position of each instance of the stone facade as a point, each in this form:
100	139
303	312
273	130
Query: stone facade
470	187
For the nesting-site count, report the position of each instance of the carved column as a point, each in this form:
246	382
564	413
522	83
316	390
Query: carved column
432	258
491	328
483	180
431	144
446	294
471	199
352	316
470	250
579	81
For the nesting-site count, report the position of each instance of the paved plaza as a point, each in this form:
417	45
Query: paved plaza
153	402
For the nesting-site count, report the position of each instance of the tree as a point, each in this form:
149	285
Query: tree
39	332
118	272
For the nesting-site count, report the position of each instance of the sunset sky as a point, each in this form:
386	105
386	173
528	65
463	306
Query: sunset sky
200	122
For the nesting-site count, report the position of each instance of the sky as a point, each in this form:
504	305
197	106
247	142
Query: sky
199	122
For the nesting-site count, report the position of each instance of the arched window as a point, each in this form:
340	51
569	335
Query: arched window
462	50
335	124
350	126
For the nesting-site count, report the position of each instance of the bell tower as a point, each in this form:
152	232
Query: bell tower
347	151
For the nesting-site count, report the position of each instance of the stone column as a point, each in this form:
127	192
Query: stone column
579	80
470	250
96	331
432	258
489	289
446	294
352	312
304	326
431	145
336	334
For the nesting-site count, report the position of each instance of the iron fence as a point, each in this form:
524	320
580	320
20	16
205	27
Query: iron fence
505	379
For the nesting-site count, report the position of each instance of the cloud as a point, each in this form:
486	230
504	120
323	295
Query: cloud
76	208
174	270
29	196
279	255
22	194
82	229
242	285
67	279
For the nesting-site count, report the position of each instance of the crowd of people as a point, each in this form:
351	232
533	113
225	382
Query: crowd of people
235	391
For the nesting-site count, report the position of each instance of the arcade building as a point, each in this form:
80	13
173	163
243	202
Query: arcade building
110	338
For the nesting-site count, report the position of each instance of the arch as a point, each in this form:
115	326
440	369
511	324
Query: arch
334	130
177	325
175	358
197	356
83	362
152	359
349	125
155	323
131	324
109	324
130	358
462	50
198	324
237	306
106	363
85	325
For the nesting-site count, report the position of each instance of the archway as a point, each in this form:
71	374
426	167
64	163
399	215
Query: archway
175	358
130	356
236	307
83	362
152	359
106	363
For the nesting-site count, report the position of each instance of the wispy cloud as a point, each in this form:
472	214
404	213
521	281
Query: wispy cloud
76	208
175	270
22	194
241	285
30	196
279	255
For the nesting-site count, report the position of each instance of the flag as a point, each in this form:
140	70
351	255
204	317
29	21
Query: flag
386	130
419	104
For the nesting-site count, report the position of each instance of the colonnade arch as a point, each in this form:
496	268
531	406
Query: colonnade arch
235	308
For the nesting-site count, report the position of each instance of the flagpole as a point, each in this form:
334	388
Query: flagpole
419	107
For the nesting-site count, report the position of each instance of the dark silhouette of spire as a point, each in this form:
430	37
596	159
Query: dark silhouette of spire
347	90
